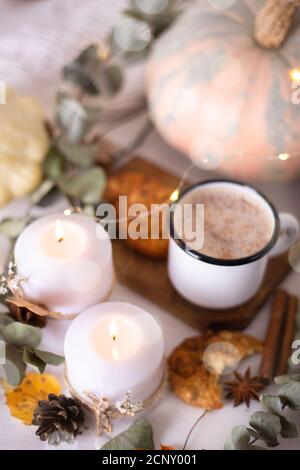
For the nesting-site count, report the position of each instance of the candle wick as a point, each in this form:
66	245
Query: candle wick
114	337
61	239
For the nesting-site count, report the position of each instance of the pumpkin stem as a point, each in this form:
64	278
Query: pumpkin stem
273	22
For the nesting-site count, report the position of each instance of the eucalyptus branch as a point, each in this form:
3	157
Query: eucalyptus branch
270	424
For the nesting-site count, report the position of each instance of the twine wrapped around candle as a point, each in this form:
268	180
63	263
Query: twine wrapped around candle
105	411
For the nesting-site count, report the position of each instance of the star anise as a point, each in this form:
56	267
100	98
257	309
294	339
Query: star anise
244	388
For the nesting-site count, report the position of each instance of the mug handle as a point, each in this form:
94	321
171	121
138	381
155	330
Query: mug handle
289	232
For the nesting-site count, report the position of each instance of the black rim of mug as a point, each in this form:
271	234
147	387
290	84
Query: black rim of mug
217	261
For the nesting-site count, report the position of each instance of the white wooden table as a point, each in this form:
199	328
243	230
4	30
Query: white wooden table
171	419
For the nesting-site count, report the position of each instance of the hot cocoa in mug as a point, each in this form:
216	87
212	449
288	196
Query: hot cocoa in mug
241	230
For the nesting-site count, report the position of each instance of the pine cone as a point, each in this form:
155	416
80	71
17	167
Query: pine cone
24	315
59	418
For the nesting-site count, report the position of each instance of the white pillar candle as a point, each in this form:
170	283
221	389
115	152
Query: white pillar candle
65	262
114	348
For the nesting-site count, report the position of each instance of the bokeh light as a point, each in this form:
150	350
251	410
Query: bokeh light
207	153
221	358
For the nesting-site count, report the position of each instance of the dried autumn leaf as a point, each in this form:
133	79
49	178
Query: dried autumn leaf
191	379
188	377
36	309
24	315
23	399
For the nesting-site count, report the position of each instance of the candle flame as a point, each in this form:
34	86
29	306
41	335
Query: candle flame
59	231
113	330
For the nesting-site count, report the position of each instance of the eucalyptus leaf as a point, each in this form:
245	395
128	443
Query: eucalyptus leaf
267	426
30	358
289	429
42	192
289	394
13	227
14	368
20	334
54	164
161	22
85	70
273	404
137	56
73	119
159	14
5	249
5	319
254	434
93	75
88	185
3	306
239	439
111	80
132	35
152	7
135	14
49	357
283	379
138	436
83	155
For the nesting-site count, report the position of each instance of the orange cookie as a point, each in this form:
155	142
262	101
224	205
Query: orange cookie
147	190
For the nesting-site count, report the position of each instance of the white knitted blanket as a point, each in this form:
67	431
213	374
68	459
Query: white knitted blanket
38	36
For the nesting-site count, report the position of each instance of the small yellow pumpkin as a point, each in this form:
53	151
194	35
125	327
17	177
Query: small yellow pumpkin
23	145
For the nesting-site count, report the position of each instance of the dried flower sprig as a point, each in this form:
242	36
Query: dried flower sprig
127	406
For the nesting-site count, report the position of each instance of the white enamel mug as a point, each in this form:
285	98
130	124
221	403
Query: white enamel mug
225	283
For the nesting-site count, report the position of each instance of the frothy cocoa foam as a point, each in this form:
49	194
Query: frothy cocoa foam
236	224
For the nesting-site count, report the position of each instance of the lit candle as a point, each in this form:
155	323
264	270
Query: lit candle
114	348
65	262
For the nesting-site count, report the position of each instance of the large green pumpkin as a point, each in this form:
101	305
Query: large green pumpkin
222	99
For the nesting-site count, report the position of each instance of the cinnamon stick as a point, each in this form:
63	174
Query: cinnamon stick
288	336
278	311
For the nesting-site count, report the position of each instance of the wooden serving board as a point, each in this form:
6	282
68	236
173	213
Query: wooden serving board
149	278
